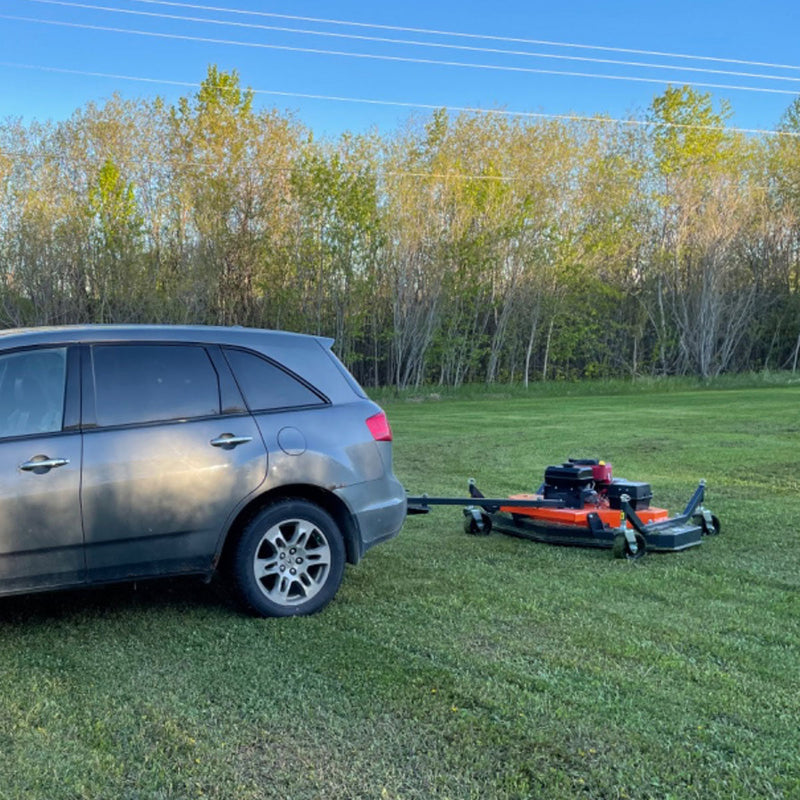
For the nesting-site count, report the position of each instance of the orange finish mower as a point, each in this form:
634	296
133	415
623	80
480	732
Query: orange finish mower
581	503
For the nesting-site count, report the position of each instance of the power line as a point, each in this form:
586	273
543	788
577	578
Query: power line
414	42
377	172
64	154
487	37
423	106
403	59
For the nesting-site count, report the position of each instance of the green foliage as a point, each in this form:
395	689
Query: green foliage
461	248
338	244
113	203
218	105
786	159
790	123
687	131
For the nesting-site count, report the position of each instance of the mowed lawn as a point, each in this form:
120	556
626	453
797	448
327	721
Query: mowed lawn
452	666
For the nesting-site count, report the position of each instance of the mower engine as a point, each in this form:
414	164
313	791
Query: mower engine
581	481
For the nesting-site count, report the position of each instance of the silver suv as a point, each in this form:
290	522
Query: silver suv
137	451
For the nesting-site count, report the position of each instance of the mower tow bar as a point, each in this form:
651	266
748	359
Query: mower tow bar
638	536
688	512
420	504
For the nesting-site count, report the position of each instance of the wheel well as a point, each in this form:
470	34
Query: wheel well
321	497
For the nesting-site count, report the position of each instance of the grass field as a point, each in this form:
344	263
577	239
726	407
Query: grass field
452	666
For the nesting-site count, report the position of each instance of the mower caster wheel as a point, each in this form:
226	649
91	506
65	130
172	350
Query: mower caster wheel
714	528
622	549
708	522
477	522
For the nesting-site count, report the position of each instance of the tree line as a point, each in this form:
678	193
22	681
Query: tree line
474	247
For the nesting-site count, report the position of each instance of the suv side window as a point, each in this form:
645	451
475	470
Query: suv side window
153	383
267	387
32	386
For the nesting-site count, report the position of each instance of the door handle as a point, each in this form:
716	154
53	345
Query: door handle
229	441
39	462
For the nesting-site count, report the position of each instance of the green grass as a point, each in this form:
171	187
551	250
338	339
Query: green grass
452	666
577	388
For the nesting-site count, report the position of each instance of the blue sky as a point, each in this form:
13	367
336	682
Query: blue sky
766	32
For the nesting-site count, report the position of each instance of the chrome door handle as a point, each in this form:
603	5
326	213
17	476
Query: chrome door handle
228	440
44	463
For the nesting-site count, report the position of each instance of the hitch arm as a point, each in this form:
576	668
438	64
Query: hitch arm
691	507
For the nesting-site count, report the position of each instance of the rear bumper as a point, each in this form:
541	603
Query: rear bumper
379	508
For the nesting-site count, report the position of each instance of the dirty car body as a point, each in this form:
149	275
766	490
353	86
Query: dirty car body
129	452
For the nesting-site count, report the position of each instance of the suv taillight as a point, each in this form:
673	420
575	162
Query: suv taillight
378	426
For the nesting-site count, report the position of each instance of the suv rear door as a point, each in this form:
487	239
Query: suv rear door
41	541
170	452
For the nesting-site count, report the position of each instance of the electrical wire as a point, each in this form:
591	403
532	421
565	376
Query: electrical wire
403	59
416	43
422	106
62	155
487	37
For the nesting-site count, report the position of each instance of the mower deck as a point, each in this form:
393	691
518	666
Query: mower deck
575	530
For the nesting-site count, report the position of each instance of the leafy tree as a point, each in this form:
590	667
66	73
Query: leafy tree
460	248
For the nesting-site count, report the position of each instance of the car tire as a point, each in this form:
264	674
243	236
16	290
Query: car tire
289	560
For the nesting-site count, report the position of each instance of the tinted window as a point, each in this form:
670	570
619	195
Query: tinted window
266	386
148	383
32	391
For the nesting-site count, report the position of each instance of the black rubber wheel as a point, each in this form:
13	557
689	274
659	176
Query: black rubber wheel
714	529
622	549
475	528
289	560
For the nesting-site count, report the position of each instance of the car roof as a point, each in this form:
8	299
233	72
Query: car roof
308	356
12	337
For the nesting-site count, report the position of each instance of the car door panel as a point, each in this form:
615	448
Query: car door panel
156	496
41	540
41	537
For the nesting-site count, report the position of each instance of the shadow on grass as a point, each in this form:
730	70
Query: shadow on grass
157	594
